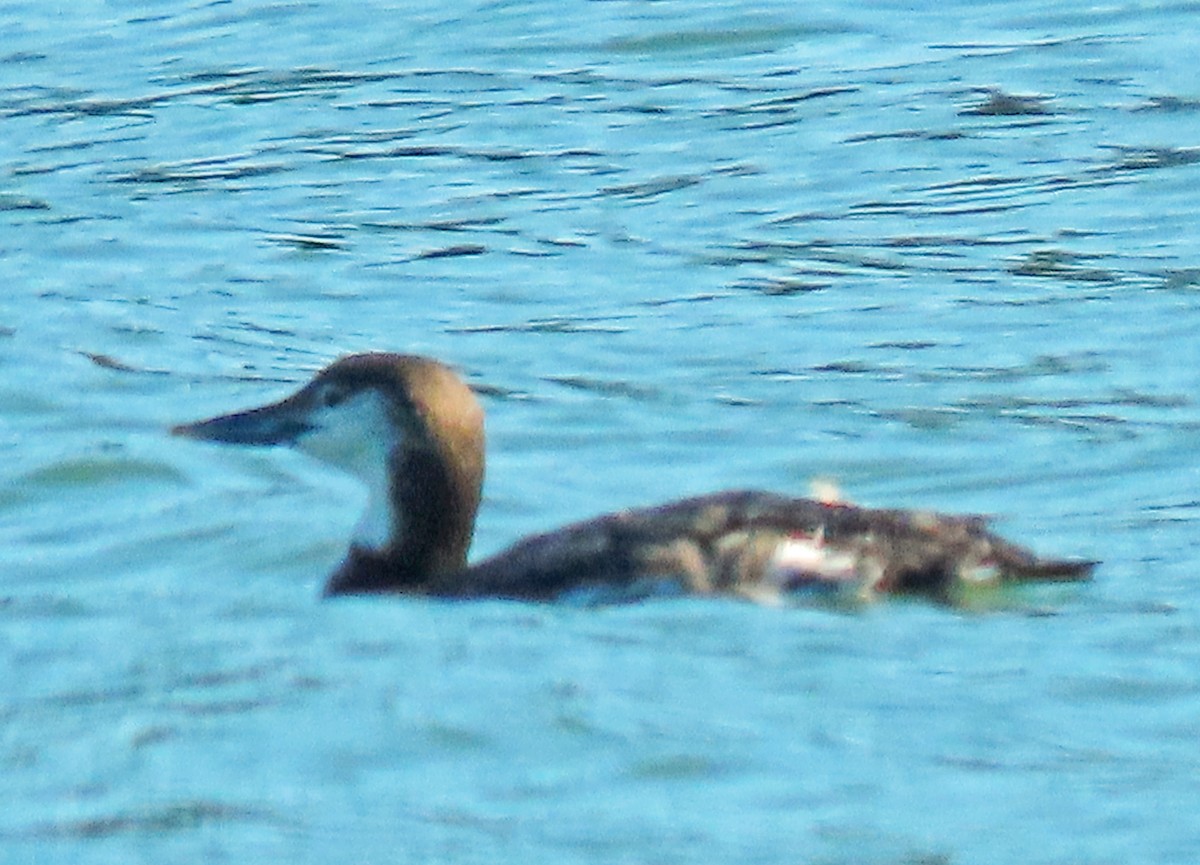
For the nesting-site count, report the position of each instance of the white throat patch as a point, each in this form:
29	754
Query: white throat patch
358	436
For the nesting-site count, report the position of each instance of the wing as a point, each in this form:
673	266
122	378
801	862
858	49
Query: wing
757	545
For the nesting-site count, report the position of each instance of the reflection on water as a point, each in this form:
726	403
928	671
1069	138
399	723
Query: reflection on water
944	259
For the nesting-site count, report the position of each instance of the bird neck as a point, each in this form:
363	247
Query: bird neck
428	509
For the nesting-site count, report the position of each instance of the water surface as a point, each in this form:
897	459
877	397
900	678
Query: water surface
944	258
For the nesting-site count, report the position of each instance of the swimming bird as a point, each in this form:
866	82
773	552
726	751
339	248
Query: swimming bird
413	431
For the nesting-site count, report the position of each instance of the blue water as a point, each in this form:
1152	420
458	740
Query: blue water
945	257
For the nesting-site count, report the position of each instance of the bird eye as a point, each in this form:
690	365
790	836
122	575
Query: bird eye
333	395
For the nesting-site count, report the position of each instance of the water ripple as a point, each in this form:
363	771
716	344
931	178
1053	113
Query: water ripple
945	259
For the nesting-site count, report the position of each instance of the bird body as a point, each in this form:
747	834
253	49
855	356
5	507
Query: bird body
412	430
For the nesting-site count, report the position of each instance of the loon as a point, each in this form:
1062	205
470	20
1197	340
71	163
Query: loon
412	430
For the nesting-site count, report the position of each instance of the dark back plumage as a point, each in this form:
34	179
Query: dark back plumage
737	543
